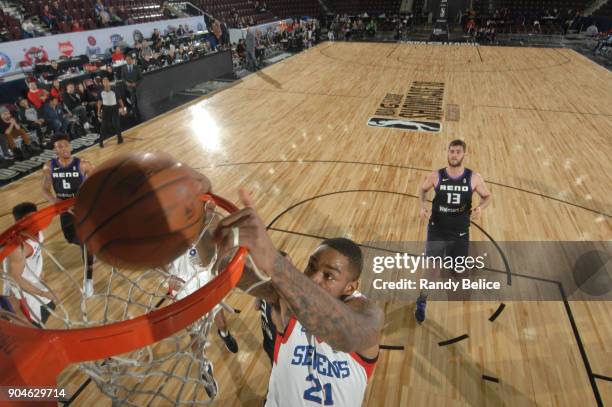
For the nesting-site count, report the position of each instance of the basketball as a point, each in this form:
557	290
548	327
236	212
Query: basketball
140	210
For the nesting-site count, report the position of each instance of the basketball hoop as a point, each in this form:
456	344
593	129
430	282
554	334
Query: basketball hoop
128	331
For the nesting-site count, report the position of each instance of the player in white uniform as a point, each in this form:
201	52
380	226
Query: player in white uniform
306	366
25	266
188	275
330	333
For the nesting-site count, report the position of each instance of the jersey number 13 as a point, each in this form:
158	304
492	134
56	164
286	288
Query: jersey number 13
453	198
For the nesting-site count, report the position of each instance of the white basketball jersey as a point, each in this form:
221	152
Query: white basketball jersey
188	268
31	273
308	372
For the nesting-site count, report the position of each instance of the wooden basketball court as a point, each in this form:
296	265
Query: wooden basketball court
537	123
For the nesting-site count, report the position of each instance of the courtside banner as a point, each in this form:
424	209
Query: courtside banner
240	33
20	56
488	271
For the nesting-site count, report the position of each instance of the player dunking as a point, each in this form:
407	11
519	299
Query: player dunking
328	334
448	229
62	178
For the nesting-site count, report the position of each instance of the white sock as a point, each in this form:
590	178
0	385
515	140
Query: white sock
223	333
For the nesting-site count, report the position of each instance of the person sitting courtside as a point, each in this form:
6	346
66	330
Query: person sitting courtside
10	129
30	118
55	116
36	96
73	104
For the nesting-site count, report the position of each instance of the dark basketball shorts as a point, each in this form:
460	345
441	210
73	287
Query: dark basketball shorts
45	313
268	346
268	330
68	228
447	242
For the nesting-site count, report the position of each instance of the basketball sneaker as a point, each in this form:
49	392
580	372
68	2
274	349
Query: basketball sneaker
230	342
419	312
210	384
88	287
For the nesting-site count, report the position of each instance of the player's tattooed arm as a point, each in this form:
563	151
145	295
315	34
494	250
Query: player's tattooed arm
47	184
350	327
345	328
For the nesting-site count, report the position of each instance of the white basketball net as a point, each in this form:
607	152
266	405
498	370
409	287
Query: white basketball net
173	371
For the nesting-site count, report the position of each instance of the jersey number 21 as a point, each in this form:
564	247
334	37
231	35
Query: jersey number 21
314	393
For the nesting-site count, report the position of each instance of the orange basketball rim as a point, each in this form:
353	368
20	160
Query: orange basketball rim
34	357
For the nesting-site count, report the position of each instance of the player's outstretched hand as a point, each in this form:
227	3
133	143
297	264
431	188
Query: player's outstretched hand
252	234
424	213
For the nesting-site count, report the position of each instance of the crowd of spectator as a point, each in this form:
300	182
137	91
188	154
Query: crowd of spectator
66	99
364	27
481	28
257	44
110	16
237	21
347	28
505	20
240	13
604	42
56	19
